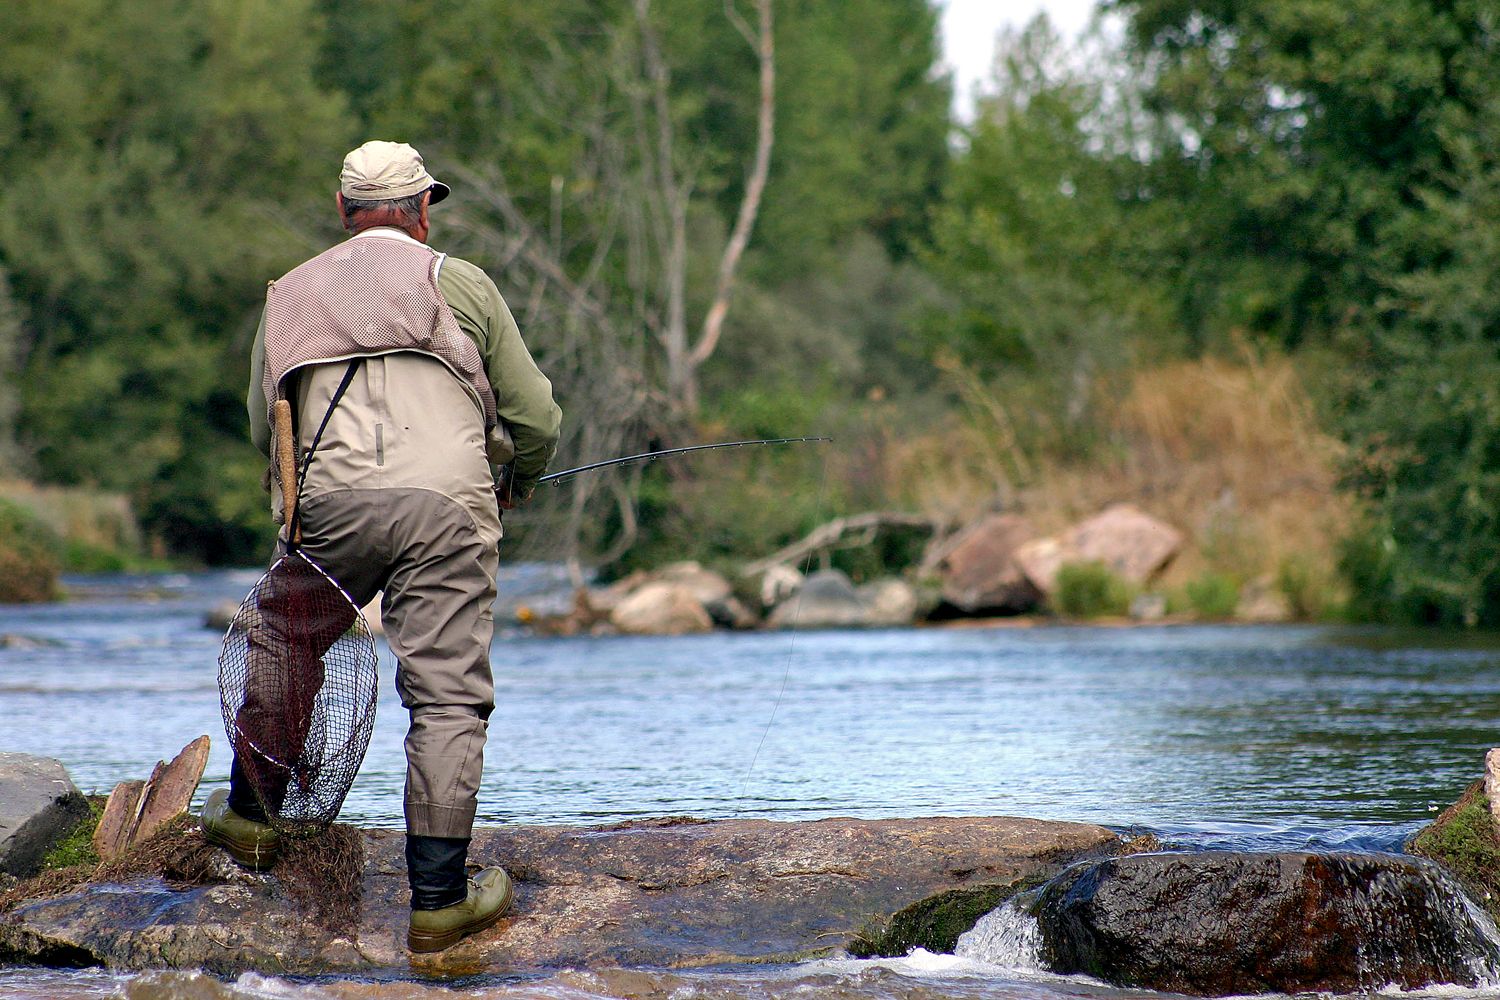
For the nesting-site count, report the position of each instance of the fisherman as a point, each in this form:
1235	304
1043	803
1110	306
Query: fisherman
402	498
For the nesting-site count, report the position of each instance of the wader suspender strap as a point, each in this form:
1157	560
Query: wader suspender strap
293	521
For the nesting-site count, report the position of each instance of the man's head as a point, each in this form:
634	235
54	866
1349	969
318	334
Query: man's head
386	184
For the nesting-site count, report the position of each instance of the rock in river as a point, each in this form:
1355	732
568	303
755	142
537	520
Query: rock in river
828	599
979	571
39	804
663	893
1128	541
661	609
1216	923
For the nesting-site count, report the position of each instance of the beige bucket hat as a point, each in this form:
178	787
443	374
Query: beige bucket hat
383	171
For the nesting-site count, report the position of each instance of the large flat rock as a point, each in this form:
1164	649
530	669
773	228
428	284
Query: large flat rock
660	893
39	805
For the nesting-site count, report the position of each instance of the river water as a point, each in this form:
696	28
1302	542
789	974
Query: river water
1243	737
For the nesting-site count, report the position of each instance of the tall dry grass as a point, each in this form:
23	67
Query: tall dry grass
89	517
1229	452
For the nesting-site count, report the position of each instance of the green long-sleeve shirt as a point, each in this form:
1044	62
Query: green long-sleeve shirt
523	395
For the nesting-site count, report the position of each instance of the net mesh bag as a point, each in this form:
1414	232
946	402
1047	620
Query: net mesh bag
298	686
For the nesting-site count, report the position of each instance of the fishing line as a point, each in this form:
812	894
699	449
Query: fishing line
791	652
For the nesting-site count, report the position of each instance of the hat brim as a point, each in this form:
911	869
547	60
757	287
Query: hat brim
439	192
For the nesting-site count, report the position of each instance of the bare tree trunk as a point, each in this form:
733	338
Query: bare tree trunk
764	43
674	194
833	534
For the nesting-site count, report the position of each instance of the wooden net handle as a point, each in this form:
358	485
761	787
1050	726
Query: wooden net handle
286	457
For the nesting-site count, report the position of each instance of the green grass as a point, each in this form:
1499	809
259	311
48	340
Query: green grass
77	848
1213	596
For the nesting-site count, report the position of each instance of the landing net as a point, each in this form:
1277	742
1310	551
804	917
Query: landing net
297	686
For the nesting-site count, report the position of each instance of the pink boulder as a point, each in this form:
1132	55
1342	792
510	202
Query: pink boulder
1130	542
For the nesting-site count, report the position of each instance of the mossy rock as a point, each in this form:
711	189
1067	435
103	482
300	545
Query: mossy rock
1462	839
936	922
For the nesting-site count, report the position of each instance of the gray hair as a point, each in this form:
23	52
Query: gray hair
404	213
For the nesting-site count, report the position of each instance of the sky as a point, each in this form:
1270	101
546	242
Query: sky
970	27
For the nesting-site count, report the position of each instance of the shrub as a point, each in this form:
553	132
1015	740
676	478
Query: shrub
1310	591
1213	595
29	560
1090	590
83	557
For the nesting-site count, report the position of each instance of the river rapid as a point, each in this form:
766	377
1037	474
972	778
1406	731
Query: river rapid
1211	737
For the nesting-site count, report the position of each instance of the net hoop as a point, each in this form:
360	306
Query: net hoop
298	687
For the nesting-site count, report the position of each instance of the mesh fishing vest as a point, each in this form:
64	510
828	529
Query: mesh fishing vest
363	297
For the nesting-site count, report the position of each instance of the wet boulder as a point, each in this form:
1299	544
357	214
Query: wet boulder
827	599
39	805
1131	543
1217	923
980	573
660	608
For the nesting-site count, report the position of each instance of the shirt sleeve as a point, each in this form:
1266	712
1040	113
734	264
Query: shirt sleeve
523	395
255	397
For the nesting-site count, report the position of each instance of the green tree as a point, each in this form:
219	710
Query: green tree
1303	139
862	144
12	334
163	159
1423	411
1042	238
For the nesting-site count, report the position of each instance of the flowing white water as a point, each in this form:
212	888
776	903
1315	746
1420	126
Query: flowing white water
1486	966
1008	936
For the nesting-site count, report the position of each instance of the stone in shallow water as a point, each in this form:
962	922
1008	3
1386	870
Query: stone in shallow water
1217	923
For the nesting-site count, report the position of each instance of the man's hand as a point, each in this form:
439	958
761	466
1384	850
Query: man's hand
507	497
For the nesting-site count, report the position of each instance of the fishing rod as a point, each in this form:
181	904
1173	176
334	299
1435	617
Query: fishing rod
503	483
647	456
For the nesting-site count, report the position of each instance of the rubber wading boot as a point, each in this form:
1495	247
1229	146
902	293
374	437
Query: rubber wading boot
253	845
490	895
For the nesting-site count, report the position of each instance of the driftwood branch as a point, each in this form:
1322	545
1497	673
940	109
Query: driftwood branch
831	534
